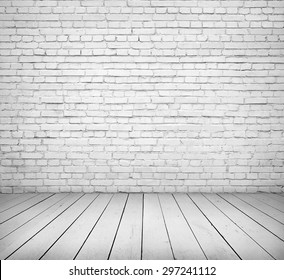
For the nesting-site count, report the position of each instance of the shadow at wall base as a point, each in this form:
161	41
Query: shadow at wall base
141	189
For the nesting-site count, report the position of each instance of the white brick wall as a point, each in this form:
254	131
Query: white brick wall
129	95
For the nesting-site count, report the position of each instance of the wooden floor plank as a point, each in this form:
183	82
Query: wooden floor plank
18	209
183	241
100	240
273	245
212	243
26	216
36	247
127	245
277	197
261	218
15	240
18	200
63	249
8	197
156	244
263	207
268	200
243	245
121	226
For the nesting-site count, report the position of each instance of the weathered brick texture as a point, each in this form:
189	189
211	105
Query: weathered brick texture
130	95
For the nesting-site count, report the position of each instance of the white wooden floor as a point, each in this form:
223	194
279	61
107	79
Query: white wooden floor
142	226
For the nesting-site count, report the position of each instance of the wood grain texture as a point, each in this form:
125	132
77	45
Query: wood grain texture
8	204
63	249
127	244
211	242
156	243
26	216
38	244
263	207
22	207
267	222
243	245
182	239
142	226
5	198
270	201
269	242
25	233
99	242
276	197
15	239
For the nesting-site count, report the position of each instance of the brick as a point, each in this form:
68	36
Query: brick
9	141
75	169
122	127
27	183
145	141
122	169
50	127
7	127
256	100
53	155
56	183
100	155
99	169
31	155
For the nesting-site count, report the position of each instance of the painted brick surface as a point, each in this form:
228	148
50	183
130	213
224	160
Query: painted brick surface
141	95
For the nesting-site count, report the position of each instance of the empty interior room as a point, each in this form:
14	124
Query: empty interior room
142	130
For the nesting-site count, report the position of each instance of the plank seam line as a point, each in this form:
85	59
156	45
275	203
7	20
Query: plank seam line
276	197
18	203
190	227
272	196
27	209
166	227
117	227
280	194
69	227
239	227
43	227
260	209
215	227
14	196
33	217
142	226
266	203
93	228
251	218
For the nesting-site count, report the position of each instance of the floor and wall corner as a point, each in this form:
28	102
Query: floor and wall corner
142	111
